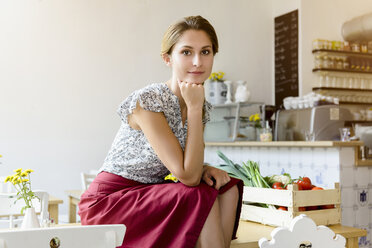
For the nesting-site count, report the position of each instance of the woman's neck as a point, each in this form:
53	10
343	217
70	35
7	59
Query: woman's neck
173	86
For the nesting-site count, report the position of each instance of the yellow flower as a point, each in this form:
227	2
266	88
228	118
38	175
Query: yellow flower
8	179
256	117
171	177
23	186
16	181
217	76
1	156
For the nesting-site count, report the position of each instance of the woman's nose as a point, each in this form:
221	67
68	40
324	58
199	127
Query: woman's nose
196	61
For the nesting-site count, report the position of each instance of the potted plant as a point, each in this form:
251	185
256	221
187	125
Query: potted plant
217	89
21	181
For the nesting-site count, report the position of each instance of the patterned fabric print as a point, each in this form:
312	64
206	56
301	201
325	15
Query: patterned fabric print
131	155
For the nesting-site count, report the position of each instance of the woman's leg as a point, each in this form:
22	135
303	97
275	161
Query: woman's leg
212	234
218	228
228	203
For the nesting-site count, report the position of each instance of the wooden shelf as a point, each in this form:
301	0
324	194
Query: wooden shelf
341	89
339	70
369	55
355	103
287	143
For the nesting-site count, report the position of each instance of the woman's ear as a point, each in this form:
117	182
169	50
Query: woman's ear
167	59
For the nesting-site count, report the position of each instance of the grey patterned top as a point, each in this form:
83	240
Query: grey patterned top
131	155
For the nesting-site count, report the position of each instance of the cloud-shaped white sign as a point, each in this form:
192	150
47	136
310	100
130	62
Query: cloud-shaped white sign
303	233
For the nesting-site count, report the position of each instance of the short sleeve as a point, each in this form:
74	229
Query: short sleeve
207	108
149	98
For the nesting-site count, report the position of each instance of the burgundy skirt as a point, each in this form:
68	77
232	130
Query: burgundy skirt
156	215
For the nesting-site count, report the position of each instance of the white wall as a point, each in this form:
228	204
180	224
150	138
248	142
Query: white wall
66	65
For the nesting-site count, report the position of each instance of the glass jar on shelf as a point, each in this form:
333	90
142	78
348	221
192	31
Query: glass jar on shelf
346	63
355	47
331	62
368	64
346	46
369	46
345	82
266	133
318	62
363	82
339	63
321	80
318	44
325	62
364	47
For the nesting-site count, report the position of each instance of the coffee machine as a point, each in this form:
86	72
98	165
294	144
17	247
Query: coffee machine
322	121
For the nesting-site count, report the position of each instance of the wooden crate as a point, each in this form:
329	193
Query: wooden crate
292	198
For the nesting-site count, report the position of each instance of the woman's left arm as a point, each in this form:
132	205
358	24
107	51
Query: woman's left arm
215	177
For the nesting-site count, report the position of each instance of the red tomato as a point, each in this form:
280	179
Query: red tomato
282	208
304	185
306	179
317	188
277	185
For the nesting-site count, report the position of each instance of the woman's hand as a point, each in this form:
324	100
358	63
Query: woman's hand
215	177
192	93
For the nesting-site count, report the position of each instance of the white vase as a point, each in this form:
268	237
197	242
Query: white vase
228	95
217	92
242	93
30	219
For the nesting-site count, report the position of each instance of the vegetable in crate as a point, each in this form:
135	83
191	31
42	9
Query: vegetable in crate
248	172
276	181
305	183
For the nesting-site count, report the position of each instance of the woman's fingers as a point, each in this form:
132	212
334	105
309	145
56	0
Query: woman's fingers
192	93
208	179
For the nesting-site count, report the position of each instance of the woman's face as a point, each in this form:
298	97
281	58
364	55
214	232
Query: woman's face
192	57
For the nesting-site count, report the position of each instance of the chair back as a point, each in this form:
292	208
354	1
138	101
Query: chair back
303	233
94	236
10	211
87	179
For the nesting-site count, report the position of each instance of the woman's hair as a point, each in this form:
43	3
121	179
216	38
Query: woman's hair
175	31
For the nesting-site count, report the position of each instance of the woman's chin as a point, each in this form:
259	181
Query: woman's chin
196	80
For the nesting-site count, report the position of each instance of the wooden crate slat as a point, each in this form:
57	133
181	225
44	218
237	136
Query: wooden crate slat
265	215
269	196
325	216
316	197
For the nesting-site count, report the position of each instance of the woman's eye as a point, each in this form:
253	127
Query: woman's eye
205	52
186	52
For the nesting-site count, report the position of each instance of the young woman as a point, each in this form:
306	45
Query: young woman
162	133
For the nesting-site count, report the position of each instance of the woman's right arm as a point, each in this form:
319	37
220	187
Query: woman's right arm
186	166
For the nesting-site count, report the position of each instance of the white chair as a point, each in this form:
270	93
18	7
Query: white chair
10	212
303	233
95	236
87	178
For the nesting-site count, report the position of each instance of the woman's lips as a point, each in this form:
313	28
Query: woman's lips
196	72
